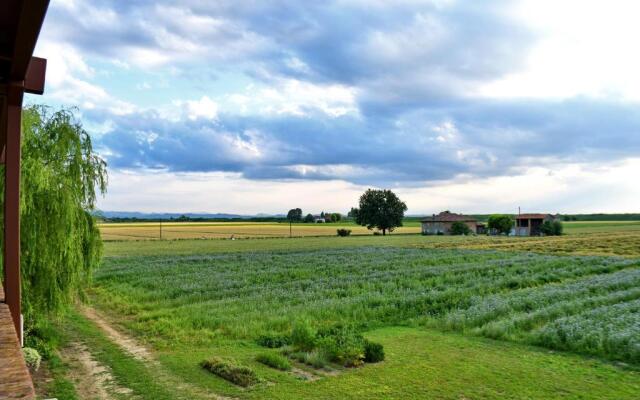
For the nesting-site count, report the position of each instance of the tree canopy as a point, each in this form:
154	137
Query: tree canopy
294	215
60	241
501	223
380	209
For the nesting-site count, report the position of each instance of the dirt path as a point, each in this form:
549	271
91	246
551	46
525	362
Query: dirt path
92	380
128	344
141	353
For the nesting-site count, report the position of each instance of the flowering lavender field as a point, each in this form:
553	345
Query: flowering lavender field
595	314
582	304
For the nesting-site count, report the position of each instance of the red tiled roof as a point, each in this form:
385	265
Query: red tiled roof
447	216
533	216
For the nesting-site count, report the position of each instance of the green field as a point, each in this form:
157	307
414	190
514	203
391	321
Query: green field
459	317
227	230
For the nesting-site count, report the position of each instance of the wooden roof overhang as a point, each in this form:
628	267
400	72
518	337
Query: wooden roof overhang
20	73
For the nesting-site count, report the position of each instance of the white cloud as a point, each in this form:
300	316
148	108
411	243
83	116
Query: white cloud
586	48
567	189
221	192
203	108
293	97
68	76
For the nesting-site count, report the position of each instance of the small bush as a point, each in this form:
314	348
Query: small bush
339	343
342	344
373	352
32	358
344	232
303	336
42	337
551	228
238	374
274	361
376	233
273	341
460	228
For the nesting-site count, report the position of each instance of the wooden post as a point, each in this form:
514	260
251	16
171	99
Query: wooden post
12	206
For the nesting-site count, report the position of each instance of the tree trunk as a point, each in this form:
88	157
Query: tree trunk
384	232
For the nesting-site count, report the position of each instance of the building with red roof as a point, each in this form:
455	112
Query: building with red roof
441	224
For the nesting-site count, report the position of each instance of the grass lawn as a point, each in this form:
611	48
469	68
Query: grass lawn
435	303
420	364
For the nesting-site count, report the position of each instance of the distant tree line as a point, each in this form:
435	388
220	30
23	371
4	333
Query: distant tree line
184	218
295	215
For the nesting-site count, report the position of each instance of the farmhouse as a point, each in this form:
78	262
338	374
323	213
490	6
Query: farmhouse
529	224
441	223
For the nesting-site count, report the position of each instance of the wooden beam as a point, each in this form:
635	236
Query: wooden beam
34	80
13	111
3	127
30	21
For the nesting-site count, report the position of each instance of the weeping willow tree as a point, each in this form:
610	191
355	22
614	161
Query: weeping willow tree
60	241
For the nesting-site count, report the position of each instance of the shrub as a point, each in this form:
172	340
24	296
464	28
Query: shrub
41	337
32	358
376	233
238	374
500	223
373	352
557	228
551	228
344	232
303	336
342	344
460	228
273	341
274	361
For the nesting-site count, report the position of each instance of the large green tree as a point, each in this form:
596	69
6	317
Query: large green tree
60	241
294	215
380	209
501	223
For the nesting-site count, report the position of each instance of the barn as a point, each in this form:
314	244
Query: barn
529	224
441	224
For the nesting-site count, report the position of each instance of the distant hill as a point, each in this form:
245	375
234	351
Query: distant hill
141	216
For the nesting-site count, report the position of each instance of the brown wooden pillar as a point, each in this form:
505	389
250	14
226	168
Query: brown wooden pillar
12	204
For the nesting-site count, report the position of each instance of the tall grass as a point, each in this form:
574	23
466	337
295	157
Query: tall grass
513	296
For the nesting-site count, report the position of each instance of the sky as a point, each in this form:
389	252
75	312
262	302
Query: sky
259	106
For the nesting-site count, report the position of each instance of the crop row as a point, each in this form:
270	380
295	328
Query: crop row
513	296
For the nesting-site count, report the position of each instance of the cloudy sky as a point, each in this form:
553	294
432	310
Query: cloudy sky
263	105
